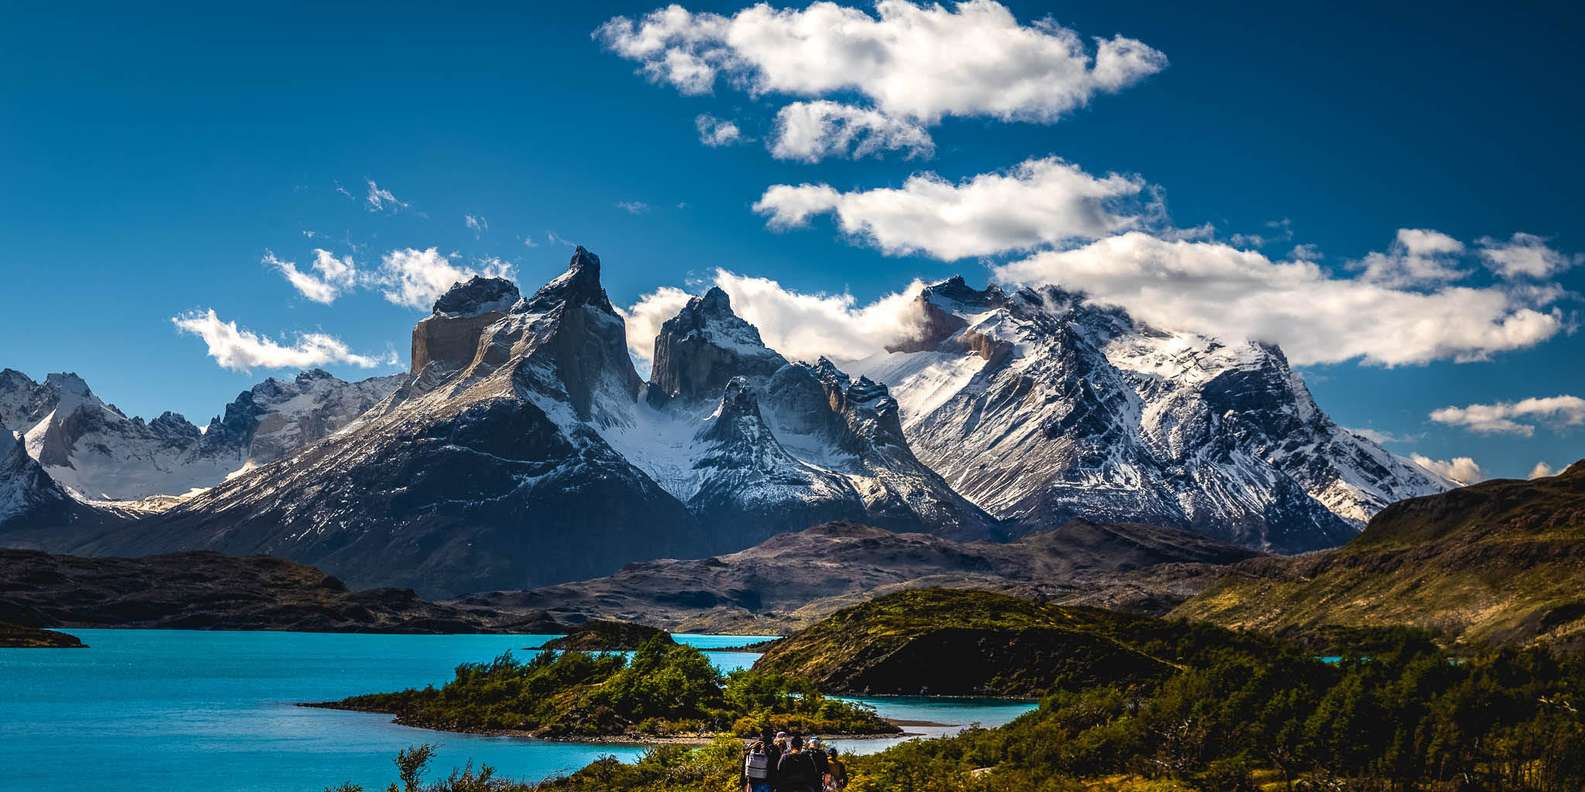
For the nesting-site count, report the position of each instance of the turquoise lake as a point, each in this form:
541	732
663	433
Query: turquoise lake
198	711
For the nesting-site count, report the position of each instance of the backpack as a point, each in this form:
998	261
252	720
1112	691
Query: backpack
757	767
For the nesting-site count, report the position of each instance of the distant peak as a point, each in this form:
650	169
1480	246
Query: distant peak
476	296
310	375
956	289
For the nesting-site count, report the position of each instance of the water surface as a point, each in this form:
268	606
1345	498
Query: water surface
198	711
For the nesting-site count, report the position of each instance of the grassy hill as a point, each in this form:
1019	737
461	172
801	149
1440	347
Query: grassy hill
964	642
1496	563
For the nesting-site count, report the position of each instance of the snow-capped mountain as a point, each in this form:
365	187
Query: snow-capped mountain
754	442
35	511
1042	407
486	468
100	453
523	448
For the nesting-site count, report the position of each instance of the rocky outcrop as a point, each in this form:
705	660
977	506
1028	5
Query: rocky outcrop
601	635
449	337
17	636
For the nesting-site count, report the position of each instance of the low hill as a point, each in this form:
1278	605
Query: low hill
1495	563
17	636
210	591
979	643
797	578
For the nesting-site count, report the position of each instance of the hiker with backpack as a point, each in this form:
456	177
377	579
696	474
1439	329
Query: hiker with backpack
837	774
757	769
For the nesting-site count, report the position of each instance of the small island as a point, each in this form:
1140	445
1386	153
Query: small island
18	636
603	635
666	691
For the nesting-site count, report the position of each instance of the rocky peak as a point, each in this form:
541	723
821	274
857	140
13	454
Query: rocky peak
477	296
69	389
175	427
579	285
705	345
449	337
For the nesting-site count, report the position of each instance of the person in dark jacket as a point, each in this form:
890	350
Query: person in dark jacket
796	771
818	754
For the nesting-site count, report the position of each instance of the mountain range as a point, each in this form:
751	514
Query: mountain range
523	449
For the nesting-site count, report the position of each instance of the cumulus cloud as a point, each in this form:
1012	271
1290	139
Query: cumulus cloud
1541	470
416	278
1459	470
812	131
1517	418
1418	257
715	132
243	350
1040	202
800	325
380	199
911	62
1218	290
331	275
644	319
1524	256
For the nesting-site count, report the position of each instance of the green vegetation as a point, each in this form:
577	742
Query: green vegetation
601	635
17	636
1231	713
1494	564
961	642
665	690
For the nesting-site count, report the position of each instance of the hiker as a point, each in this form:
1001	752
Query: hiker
818	754
796	771
757	769
837	778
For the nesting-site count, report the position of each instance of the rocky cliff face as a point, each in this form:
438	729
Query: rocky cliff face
482	470
1042	408
758	444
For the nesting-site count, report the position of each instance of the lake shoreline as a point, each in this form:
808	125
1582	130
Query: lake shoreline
622	739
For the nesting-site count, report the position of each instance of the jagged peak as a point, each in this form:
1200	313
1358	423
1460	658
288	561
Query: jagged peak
578	285
477	296
715	301
13	378
67	383
739	411
310	375
957	290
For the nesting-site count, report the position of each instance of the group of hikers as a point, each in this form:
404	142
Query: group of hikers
787	763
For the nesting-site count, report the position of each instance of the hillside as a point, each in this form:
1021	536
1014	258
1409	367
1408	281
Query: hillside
210	591
976	643
17	636
1495	563
794	579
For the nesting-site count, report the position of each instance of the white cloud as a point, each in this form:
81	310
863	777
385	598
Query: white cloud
1461	470
800	325
1524	256
644	319
335	275
380	199
416	278
1376	435
1418	257
633	207
914	63
478	225
244	350
717	131
1218	290
1541	470
812	131
1518	418
1040	202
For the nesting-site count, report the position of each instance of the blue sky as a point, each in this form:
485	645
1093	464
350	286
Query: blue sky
149	159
